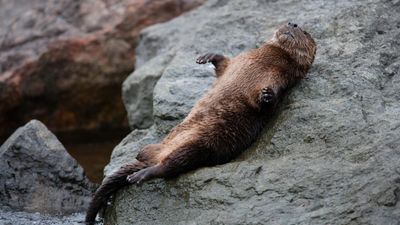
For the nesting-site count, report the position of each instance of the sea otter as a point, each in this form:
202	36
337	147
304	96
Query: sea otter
227	119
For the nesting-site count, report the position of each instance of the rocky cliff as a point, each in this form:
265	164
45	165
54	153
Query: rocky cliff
331	154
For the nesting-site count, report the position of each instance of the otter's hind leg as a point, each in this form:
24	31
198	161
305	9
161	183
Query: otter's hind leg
144	175
149	153
179	161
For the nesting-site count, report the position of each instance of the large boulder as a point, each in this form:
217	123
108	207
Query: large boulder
329	156
38	175
63	62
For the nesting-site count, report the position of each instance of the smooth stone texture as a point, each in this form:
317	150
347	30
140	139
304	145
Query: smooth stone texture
329	156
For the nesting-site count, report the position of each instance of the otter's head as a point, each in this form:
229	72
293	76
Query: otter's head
297	42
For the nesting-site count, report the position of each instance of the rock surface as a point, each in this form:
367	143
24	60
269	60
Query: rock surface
38	175
8	217
331	155
63	62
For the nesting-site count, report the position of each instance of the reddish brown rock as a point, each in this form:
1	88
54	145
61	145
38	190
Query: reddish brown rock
63	62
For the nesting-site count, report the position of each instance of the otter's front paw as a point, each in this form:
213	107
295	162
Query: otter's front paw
210	57
267	96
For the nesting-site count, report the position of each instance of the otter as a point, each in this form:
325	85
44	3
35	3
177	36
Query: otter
227	119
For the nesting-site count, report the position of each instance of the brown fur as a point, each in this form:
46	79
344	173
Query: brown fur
228	118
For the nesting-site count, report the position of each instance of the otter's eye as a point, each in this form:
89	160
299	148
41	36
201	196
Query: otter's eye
305	32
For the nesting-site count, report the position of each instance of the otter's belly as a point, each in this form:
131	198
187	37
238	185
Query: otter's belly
234	133
223	131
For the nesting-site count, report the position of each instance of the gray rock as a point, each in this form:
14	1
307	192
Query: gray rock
38	175
137	91
331	153
8	217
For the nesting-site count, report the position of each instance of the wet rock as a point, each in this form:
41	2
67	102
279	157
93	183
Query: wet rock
63	62
329	156
38	175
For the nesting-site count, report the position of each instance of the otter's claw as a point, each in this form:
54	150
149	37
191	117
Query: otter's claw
136	178
210	57
141	176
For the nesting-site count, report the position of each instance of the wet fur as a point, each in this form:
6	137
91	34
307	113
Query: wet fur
227	119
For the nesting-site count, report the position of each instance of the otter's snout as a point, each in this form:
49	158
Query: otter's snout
292	24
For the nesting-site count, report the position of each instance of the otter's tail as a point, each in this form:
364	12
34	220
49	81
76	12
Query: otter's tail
110	185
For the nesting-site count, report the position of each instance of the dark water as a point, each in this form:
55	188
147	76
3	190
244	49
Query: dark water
92	149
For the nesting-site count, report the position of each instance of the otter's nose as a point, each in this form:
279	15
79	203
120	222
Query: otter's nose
292	24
